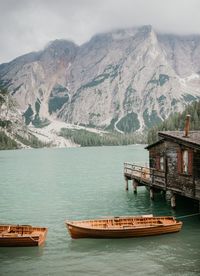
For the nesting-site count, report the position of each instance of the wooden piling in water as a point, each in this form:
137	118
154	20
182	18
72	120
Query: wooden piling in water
151	194
134	186
173	200
126	181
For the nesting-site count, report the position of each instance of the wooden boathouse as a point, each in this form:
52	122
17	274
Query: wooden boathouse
174	165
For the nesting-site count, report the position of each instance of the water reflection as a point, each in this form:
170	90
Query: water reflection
14	253
99	246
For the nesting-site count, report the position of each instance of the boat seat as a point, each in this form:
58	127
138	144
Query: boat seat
4	232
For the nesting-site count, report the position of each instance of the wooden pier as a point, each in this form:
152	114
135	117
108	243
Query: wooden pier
141	174
154	179
144	175
174	166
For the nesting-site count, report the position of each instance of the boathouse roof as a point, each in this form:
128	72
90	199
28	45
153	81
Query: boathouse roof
154	144
192	140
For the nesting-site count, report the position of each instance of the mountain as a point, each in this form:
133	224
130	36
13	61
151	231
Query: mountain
128	79
13	131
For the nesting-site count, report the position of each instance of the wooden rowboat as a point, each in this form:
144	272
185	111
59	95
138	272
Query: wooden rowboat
123	227
22	235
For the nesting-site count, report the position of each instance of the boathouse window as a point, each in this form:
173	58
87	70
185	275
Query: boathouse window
162	163
185	161
152	162
185	158
159	163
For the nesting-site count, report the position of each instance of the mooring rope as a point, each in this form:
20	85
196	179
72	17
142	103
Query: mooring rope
196	214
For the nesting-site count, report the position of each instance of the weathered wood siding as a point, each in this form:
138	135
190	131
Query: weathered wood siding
177	181
154	154
196	165
186	185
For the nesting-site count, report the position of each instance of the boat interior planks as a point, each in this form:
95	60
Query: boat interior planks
22	235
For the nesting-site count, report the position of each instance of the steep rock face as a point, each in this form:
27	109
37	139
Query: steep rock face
11	121
126	73
33	79
183	53
126	79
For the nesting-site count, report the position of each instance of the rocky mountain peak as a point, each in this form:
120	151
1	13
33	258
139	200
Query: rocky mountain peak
58	49
127	79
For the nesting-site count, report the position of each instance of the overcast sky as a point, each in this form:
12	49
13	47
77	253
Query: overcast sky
28	25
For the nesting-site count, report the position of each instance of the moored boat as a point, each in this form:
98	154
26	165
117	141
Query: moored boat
22	235
123	227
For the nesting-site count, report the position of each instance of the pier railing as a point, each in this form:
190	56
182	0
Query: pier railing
144	174
135	170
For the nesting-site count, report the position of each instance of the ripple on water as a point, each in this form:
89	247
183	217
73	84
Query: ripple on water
46	187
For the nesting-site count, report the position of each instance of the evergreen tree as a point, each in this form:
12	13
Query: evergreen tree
177	122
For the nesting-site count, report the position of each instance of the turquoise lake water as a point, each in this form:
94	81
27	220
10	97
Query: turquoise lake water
47	186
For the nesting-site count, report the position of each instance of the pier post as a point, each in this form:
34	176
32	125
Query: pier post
134	186
126	180
151	193
173	200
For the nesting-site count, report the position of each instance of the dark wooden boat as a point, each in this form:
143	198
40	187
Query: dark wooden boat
123	227
22	235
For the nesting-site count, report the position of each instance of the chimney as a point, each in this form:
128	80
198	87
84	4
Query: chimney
187	126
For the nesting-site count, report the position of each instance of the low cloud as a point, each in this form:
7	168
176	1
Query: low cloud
27	25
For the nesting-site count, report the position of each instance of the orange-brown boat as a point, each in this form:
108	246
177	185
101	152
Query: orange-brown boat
123	227
22	235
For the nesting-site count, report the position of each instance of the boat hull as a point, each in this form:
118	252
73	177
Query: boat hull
17	235
19	241
123	232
